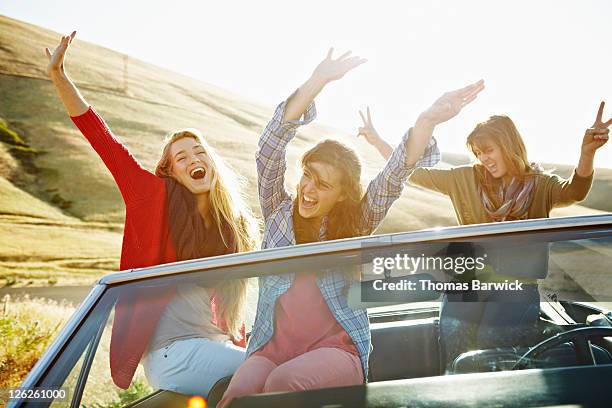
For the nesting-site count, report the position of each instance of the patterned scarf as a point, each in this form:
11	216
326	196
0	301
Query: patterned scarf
514	199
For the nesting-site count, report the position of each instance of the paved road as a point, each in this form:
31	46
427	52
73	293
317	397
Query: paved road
75	294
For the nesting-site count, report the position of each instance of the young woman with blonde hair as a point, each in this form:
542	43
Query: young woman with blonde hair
190	208
305	335
501	186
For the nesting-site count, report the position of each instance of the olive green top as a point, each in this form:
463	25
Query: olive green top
460	184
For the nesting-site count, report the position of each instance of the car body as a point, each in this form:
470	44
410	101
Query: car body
406	367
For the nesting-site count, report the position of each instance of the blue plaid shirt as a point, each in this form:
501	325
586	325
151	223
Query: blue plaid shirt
277	205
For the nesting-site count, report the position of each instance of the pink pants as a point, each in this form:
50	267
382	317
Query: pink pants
320	368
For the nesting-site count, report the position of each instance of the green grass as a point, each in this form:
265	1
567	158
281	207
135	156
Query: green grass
9	136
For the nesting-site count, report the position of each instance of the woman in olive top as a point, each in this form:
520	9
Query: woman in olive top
501	186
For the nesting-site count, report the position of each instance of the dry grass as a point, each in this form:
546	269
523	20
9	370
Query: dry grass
66	181
16	202
27	327
600	196
40	251
100	391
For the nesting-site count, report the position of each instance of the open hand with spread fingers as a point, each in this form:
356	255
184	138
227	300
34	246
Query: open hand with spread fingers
331	69
328	70
56	59
451	103
598	134
68	92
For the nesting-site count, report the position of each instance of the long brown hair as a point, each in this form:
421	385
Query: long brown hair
500	130
236	227
343	221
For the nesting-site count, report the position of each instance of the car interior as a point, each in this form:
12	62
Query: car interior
570	344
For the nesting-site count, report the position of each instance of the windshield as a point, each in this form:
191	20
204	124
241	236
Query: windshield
435	307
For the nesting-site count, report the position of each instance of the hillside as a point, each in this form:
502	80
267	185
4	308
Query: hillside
60	212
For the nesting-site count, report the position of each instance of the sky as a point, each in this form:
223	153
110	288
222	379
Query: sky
546	64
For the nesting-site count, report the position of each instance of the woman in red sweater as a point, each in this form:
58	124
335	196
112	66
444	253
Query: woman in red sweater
190	208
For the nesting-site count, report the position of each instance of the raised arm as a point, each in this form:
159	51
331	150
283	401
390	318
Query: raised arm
595	137
388	184
445	108
133	181
328	70
429	178
69	94
417	149
270	157
372	137
298	110
563	192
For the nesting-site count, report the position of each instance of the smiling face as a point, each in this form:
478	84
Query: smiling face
190	165
320	189
492	158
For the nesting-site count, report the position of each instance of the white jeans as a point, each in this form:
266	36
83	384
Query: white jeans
192	366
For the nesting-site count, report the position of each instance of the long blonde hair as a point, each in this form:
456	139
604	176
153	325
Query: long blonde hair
229	210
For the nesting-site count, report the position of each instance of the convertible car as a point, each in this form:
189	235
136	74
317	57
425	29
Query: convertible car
563	359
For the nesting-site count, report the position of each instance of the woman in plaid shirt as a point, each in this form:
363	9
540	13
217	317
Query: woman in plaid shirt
305	336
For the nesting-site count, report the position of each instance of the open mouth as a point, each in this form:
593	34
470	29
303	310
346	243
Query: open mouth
492	168
198	173
308	202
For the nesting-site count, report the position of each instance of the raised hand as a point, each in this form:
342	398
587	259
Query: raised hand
56	59
372	136
332	69
598	134
367	130
69	94
328	70
451	103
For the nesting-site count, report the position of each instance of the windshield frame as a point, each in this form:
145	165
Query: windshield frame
243	263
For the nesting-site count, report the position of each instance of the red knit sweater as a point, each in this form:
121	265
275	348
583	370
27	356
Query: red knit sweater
146	242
